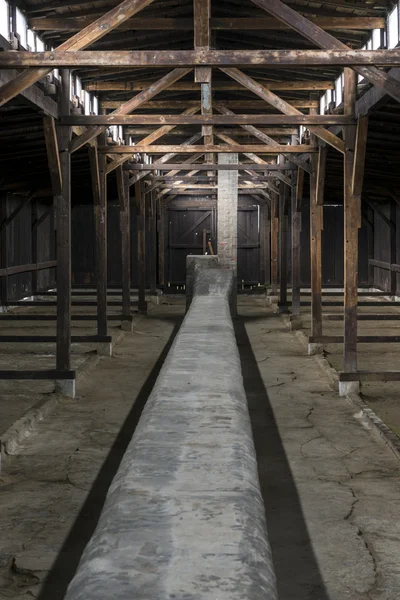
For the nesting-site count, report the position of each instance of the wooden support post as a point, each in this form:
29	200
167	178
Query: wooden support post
152	232
100	227
283	247
63	224
125	228
161	243
274	245
351	224
316	226
34	245
4	248
296	231
265	245
141	249
393	247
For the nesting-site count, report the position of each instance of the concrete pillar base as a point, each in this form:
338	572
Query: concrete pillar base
66	387
153	299
127	324
104	349
295	323
272	299
314	349
348	387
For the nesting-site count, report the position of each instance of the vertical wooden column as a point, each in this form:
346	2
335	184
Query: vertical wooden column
283	247
3	248
153	243
125	228
141	248
63	225
161	237
316	226
393	247
274	244
34	244
351	225
100	227
265	245
296	204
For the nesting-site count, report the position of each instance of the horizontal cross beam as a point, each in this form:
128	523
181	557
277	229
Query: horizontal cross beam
218	86
209	167
206	58
182	24
108	120
183	149
243	105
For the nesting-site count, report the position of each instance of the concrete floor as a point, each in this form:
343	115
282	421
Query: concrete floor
382	397
331	488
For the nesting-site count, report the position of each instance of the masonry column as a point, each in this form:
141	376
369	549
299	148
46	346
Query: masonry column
227	218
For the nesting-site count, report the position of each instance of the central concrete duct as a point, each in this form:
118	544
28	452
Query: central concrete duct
184	517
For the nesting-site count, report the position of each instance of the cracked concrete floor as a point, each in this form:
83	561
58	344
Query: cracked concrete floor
52	489
331	488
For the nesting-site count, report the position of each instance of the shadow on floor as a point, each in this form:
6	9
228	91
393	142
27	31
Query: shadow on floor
296	567
63	570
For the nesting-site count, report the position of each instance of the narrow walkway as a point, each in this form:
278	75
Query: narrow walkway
52	490
331	488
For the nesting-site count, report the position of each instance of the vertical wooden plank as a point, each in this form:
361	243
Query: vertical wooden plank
161	234
283	247
63	221
34	242
153	243
4	248
141	250
296	231
316	224
100	229
393	246
265	245
125	228
351	224
274	244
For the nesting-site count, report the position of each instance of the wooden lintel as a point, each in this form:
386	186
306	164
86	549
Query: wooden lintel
285	120
184	149
361	60
220	86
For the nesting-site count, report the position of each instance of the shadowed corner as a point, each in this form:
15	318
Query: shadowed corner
66	563
296	567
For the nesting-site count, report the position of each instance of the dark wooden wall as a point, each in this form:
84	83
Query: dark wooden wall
332	247
16	246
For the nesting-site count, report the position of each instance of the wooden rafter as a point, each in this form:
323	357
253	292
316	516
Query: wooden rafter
81	40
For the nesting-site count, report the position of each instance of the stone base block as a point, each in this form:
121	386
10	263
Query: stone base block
272	299
66	387
127	325
295	323
314	349
348	387
104	349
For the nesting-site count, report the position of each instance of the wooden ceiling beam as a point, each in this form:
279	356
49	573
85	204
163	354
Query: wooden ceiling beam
183	149
149	139
41	63
131	105
282	105
325	40
81	40
218	86
63	23
235	104
121	119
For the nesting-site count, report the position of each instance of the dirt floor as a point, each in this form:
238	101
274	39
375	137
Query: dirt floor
331	487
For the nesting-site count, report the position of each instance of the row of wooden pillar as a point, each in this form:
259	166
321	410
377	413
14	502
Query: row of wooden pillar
146	221
280	243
